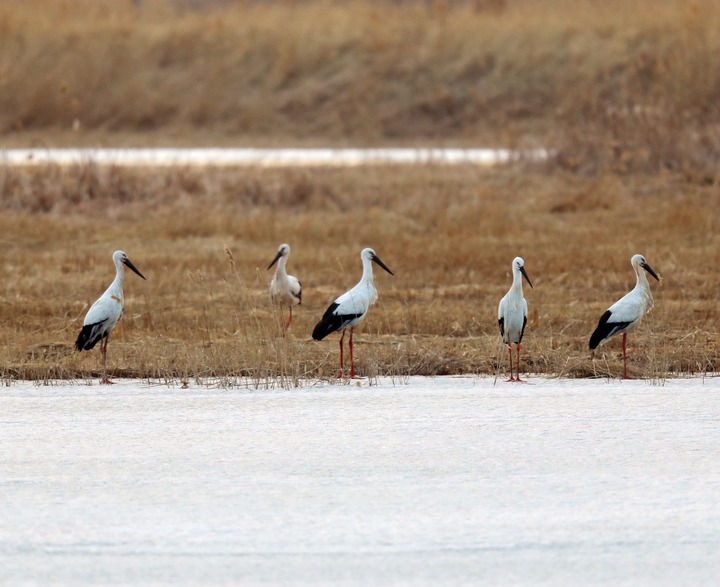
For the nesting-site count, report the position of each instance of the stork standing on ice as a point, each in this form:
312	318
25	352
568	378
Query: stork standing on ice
285	289
105	312
625	314
351	307
512	314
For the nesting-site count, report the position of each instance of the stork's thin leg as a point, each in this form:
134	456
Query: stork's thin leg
517	362
352	363
286	325
340	374
509	346
625	375
103	352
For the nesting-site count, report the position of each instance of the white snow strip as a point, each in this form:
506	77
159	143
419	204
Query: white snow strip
265	157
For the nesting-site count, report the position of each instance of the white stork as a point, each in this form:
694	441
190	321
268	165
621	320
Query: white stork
105	312
512	314
625	314
285	289
351	307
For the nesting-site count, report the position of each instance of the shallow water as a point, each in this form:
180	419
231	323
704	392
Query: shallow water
425	481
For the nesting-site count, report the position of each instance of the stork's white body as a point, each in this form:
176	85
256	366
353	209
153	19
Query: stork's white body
625	314
512	313
350	308
631	307
512	310
354	304
108	308
285	290
104	314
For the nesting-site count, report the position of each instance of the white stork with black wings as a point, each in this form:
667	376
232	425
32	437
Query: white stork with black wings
625	314
512	313
105	312
351	307
285	289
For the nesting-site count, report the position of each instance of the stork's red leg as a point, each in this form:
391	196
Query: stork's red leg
103	352
509	346
340	374
517	362
352	362
625	375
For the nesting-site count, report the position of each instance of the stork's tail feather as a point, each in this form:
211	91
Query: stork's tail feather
328	323
332	322
322	329
88	337
595	339
601	332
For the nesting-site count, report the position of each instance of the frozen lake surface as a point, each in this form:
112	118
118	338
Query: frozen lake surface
446	481
285	157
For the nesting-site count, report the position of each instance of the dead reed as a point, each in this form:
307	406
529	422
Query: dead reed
204	237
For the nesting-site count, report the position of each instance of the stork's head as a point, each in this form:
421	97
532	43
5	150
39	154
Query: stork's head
369	255
518	264
121	258
283	251
638	261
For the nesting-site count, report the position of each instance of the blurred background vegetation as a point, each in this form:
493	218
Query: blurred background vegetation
609	85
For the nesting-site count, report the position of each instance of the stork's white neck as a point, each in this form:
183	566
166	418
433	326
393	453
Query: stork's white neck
119	276
280	270
367	275
642	285
517	279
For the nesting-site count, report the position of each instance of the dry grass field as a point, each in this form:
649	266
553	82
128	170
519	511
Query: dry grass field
204	238
626	94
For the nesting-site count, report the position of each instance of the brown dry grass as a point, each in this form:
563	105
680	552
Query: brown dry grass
626	93
611	85
448	233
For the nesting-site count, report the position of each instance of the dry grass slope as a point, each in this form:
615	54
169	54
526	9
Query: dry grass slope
204	238
611	85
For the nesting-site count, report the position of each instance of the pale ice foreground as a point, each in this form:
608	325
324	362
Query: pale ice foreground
423	481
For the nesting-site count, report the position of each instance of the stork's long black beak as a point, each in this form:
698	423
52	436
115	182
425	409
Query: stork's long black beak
649	270
525	275
379	262
275	259
128	262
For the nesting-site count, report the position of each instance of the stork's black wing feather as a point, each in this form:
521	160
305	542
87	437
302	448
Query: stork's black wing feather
332	322
523	329
605	329
89	336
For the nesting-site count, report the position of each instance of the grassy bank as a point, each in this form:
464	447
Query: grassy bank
204	238
611	85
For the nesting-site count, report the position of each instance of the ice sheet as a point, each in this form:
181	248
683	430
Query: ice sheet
446	480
